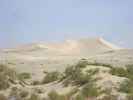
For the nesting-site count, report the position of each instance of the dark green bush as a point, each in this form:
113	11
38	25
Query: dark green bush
90	90
35	82
23	94
51	77
75	76
24	75
126	87
81	64
119	71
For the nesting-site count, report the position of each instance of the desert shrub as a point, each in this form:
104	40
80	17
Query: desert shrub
130	71
77	77
95	63
24	75
39	90
126	87
14	91
10	73
71	93
118	71
4	84
14	94
69	71
23	94
79	97
90	90
93	71
7	76
53	95
123	72
51	77
110	97
3	97
35	82
82	64
34	96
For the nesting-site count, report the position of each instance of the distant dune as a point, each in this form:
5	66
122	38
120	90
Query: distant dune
87	46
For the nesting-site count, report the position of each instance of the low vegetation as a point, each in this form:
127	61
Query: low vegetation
75	76
34	96
90	90
24	76
51	77
127	86
53	95
7	76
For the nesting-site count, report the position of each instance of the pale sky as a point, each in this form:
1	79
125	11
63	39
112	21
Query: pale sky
27	21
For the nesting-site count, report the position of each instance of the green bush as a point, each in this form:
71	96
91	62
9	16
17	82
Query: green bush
51	77
90	90
4	83
24	75
119	71
126	87
79	97
74	75
23	93
7	75
35	82
82	64
130	72
53	95
34	96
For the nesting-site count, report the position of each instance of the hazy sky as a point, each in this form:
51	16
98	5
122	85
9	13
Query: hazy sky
26	21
